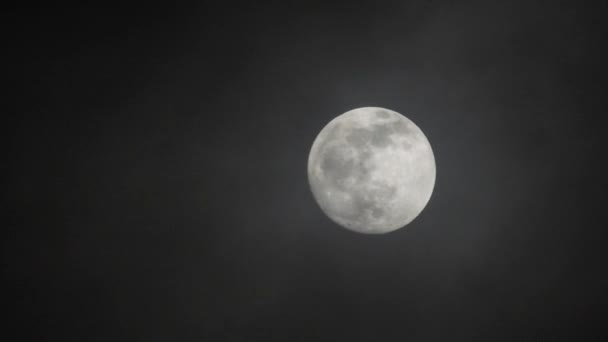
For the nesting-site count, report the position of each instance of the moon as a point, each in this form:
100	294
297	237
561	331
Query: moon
371	170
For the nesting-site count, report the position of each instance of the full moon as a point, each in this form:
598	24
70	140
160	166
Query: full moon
371	170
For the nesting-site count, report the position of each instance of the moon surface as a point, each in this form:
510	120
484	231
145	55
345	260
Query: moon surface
371	170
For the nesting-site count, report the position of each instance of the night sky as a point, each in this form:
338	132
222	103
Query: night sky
157	186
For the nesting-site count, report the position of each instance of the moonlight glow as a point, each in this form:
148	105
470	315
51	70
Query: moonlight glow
371	170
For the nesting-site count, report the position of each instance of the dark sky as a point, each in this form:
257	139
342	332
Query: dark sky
157	184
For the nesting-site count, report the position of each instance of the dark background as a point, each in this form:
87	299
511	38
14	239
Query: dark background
157	183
